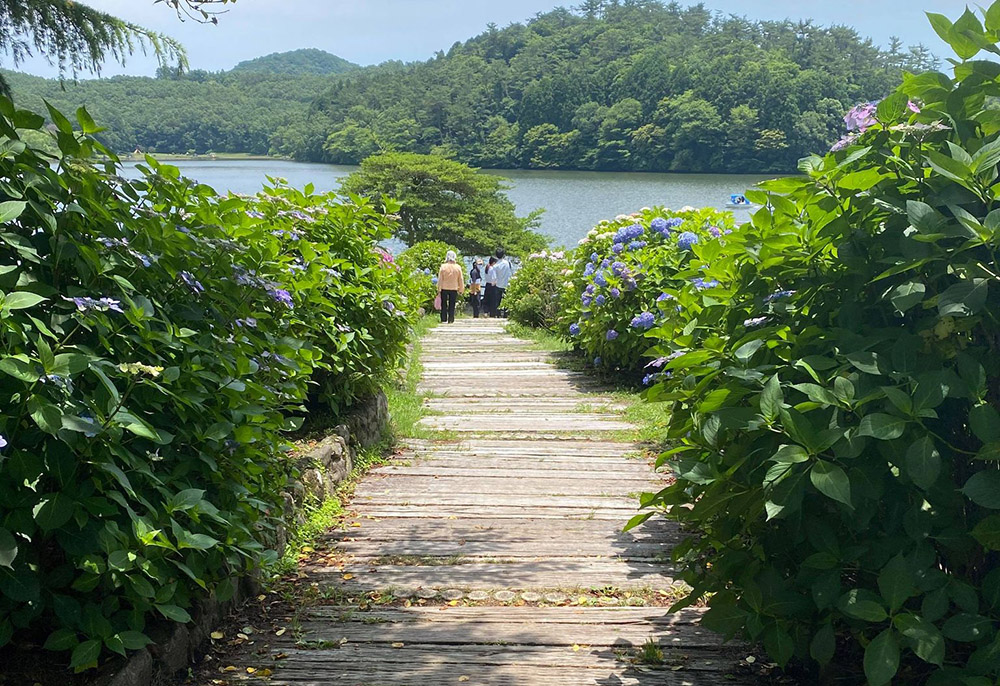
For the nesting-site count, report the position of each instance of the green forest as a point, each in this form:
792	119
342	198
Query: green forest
635	85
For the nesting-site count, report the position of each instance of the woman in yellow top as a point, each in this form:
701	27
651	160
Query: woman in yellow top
451	284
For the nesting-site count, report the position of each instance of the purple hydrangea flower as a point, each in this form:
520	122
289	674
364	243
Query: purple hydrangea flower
755	322
617	268
644	321
611	335
615	293
574	329
605	263
861	117
91	304
714	231
589	290
845	142
191	282
648	379
282	296
617	248
686	240
701	284
631	285
589	269
600	300
3	442
665	296
586	300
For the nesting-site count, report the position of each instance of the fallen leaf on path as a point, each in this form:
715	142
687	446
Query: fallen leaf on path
230	668
348	577
463	678
280	632
218	635
251	670
398	645
265	672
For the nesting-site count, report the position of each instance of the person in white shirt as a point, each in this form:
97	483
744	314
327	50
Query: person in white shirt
502	272
490	299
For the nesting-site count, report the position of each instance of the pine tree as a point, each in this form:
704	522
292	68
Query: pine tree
78	38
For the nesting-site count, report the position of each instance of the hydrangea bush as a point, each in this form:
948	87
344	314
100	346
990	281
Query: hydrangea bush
156	340
628	278
533	297
422	261
834	401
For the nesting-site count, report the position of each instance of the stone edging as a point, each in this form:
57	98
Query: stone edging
177	646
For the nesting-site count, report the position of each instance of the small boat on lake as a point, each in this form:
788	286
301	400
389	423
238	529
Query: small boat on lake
738	201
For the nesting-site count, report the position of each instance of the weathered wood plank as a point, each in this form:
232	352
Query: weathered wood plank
421	468
403	487
527	422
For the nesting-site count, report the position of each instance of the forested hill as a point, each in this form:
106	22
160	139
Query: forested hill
637	85
297	62
631	85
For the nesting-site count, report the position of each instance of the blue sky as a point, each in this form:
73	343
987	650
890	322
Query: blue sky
372	31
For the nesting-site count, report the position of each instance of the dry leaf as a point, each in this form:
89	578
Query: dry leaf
251	670
343	640
261	597
243	636
230	668
576	648
348	577
280	632
265	672
398	645
463	678
355	523
218	635
281	656
453	603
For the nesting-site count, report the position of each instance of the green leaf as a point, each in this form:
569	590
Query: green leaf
61	640
174	613
865	361
8	549
907	295
923	462
862	604
963	299
11	210
20	368
993	16
790	454
831	481
68	364
895	583
59	119
884	427
85	655
925	639
966	627
983	488
47	416
987	532
892	107
985	423
22	300
747	350
779	644
187	499
54	511
987	156
882	658
87	124
134	640
823	645
771	399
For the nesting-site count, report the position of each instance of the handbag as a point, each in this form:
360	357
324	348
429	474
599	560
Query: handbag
437	302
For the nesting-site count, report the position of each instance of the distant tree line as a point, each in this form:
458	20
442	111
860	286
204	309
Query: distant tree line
610	85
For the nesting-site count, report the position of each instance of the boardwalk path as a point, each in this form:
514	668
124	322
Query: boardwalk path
505	541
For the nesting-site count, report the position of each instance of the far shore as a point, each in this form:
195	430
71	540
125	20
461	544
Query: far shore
211	157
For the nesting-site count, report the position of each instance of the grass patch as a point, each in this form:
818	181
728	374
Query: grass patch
406	404
544	340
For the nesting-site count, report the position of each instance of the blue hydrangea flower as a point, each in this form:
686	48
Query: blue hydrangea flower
434	280
780	295
605	262
755	322
589	269
574	329
191	282
586	300
597	361
3	442
637	245
600	279
665	296
586	315
701	284
648	379
659	225
631	285
627	234
427	272
686	240
611	335
617	268
594	257
617	248
101	305
615	293
282	296
644	321
589	290
600	300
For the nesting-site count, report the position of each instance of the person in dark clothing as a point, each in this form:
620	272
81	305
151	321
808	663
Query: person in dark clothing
476	286
489	301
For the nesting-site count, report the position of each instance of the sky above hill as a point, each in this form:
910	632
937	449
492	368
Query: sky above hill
373	31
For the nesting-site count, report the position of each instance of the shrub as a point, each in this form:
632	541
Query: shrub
834	402
422	261
533	296
625	280
155	339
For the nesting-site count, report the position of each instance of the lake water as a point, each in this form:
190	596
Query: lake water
574	201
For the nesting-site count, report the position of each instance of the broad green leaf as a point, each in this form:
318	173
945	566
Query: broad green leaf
11	210
53	511
923	462
925	639
771	399
862	604
963	299
831	481
779	644
134	640
983	488
69	364
984	421
174	613
882	658
61	640
187	499
22	300
8	549
21	368
907	295
823	645
85	655
865	361
892	107
966	627
87	124
987	532
790	454
895	583
884	427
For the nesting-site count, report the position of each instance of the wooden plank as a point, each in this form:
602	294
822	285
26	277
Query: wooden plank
404	486
611	502
523	530
641	473
562	445
473	512
523	424
644	551
568	573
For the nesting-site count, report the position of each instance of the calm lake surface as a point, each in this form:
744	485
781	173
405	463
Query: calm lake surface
574	201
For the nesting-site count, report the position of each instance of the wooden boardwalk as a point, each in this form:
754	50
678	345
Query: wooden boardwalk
497	554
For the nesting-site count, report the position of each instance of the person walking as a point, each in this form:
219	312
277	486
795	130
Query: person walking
476	286
451	284
503	272
491	288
